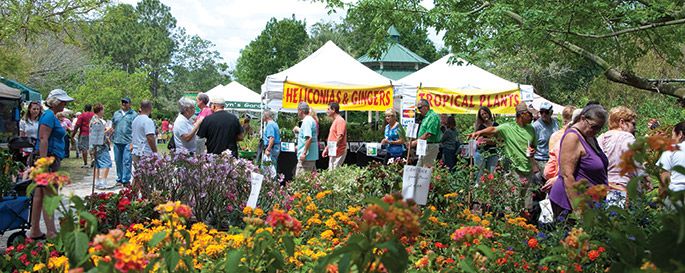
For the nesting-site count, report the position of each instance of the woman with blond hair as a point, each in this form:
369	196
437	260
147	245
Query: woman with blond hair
614	143
394	138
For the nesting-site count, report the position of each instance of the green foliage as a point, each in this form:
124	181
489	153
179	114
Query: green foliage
276	48
107	85
195	67
9	170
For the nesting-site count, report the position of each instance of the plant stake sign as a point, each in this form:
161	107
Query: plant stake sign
421	146
372	149
256	181
332	148
415	183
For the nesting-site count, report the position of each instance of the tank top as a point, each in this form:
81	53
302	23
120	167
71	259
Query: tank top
591	167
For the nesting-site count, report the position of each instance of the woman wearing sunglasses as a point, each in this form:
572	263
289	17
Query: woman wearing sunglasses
580	158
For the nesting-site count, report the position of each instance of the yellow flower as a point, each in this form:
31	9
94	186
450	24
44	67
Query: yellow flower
258	212
56	263
331	223
213	250
38	267
327	234
450	195
247	210
433	219
485	223
433	208
311	207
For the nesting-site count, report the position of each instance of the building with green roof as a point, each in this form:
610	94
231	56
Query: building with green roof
397	61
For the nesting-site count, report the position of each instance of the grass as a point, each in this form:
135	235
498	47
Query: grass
72	165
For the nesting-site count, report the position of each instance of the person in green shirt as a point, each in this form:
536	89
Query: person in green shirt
519	141
429	131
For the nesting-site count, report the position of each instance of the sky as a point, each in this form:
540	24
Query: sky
232	24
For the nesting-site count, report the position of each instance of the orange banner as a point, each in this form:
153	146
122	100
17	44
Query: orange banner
371	98
446	101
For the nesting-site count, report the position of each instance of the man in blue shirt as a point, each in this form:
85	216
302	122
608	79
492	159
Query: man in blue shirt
545	126
307	141
271	140
121	123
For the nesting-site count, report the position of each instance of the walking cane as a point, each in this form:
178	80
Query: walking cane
95	152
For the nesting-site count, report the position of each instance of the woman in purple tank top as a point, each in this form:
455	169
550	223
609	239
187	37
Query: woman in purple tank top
580	158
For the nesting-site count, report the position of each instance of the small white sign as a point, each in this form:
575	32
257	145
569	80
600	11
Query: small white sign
414	187
372	149
256	181
412	130
332	148
287	147
421	146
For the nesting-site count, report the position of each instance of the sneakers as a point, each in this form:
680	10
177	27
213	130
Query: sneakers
100	184
85	166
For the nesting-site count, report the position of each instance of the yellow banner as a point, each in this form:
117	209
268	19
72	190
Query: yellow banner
366	98
446	101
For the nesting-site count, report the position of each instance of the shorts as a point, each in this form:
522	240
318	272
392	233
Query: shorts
83	143
307	166
428	161
336	162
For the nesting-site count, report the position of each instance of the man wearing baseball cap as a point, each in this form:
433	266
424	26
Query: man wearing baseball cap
518	137
222	129
123	135
544	127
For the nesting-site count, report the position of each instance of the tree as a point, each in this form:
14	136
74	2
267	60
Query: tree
107	85
195	66
276	48
321	33
610	35
364	29
136	38
24	19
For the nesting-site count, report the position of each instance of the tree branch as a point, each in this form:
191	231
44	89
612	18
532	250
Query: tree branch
610	72
629	30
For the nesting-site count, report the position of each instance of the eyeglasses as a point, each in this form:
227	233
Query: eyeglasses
545	112
595	126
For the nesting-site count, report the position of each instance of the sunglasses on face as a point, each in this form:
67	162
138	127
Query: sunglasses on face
594	126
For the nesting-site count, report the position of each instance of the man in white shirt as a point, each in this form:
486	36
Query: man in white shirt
143	139
672	162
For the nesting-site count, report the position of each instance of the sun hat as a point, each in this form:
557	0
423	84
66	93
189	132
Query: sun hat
522	108
60	95
218	100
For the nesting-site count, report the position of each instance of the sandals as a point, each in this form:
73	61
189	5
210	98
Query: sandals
39	238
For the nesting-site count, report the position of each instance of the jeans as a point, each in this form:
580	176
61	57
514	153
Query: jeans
122	159
449	158
488	163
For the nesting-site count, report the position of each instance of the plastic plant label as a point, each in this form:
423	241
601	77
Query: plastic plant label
421	146
332	148
256	181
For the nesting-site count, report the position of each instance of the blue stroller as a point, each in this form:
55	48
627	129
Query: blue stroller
15	207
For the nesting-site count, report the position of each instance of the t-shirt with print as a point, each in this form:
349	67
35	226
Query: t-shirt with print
83	123
308	129
221	130
339	127
516	140
271	130
668	161
56	139
142	126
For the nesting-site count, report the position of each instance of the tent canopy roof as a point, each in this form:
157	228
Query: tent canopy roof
234	91
27	93
329	65
457	76
9	92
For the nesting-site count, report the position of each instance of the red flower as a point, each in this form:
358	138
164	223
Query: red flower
440	245
491	176
593	255
501	261
577	268
184	211
123	203
449	261
532	243
601	249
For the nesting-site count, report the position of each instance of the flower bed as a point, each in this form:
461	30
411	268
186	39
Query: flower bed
342	227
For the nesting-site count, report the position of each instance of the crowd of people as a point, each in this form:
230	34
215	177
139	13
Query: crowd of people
547	157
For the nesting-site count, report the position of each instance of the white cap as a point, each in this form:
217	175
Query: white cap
218	100
60	95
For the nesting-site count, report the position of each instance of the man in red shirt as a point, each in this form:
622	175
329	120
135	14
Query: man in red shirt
82	127
337	136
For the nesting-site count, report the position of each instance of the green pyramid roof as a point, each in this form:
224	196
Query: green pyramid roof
395	53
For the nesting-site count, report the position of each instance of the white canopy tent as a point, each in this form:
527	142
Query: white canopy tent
459	75
237	97
329	65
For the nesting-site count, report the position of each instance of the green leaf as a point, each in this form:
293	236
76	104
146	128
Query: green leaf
233	261
156	238
376	201
171	258
486	251
50	203
344	264
466	266
29	189
78	202
92	221
289	245
76	246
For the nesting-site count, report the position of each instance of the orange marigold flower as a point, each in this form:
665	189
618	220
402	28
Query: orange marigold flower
532	243
593	255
